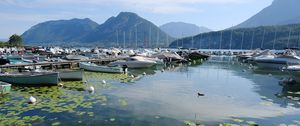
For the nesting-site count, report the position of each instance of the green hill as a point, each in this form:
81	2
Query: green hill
127	29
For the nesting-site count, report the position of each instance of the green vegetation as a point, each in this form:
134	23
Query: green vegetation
266	37
15	40
3	44
72	99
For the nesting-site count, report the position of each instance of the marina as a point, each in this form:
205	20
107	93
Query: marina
150	63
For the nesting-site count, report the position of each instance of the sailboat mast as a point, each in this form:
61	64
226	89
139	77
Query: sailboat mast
298	40
230	39
242	40
157	39
289	38
167	40
275	37
136	43
118	38
150	37
263	39
252	40
124	39
200	40
192	41
130	38
209	41
221	37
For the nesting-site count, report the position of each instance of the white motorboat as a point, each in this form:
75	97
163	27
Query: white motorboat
76	57
278	62
267	54
134	62
97	68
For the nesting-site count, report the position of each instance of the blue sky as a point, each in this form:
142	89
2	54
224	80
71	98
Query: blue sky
19	15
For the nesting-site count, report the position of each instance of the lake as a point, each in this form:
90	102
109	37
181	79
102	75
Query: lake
233	94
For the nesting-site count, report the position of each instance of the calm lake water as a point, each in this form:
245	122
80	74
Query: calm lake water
232	94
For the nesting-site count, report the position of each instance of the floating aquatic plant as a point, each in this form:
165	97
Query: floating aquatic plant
123	102
70	99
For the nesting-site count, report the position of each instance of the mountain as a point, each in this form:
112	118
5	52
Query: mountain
127	29
51	32
266	37
130	30
3	40
280	12
181	29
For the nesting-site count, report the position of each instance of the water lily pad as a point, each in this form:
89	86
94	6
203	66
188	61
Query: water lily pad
55	124
123	102
112	119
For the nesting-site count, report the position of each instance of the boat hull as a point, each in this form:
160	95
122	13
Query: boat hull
276	63
134	65
273	66
36	79
97	68
75	75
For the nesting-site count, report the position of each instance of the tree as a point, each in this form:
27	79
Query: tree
15	40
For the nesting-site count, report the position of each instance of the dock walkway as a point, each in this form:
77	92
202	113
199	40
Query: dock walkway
71	63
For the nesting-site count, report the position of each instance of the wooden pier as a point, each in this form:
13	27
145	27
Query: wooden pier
63	64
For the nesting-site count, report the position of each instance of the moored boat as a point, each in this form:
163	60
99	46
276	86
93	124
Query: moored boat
31	78
70	75
76	57
278	62
4	88
97	68
134	62
197	56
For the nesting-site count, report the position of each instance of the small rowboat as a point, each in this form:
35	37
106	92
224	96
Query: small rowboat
31	78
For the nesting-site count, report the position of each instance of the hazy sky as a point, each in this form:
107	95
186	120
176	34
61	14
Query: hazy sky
19	15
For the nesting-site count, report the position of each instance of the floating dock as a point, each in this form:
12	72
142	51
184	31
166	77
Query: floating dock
63	64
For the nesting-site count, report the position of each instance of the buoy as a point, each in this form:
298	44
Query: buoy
60	84
91	89
144	73
103	82
162	70
32	100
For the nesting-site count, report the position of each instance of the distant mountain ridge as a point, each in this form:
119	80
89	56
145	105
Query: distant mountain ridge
265	37
59	31
182	29
125	30
280	12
